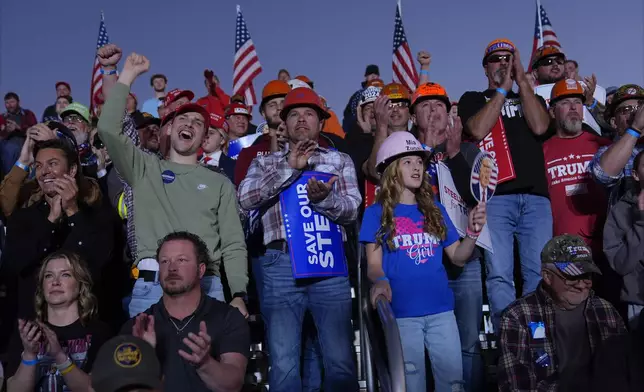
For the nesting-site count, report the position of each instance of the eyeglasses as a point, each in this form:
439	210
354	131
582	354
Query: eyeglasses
401	104
73	118
573	280
497	58
627	110
550	61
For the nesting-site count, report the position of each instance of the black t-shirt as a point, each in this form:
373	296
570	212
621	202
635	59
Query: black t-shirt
525	146
360	145
80	343
573	346
226	326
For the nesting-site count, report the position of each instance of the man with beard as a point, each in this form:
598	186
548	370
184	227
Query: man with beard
201	343
509	126
15	123
174	193
548	337
76	117
287	299
158	83
147	127
612	166
548	65
578	202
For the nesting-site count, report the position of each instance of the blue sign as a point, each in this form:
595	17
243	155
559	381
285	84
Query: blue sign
314	242
235	146
167	176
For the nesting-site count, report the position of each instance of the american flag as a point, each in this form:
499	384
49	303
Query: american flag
543	32
97	78
569	269
246	66
403	64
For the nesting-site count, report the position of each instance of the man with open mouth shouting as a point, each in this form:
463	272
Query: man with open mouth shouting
174	194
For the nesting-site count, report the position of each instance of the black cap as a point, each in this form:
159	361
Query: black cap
144	119
372	69
125	361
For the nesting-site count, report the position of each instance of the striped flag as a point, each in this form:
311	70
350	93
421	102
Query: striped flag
543	32
403	63
246	66
97	78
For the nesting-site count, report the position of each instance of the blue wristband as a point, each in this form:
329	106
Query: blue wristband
633	133
593	105
28	362
503	91
424	72
22	166
383	278
108	72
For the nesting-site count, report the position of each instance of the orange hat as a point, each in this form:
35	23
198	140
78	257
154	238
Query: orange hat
237	108
498	45
546	51
567	88
375	83
218	121
396	92
429	91
303	78
274	89
306	97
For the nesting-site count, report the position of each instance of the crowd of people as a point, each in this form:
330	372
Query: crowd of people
137	236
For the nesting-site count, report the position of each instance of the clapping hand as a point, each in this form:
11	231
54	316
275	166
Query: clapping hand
199	344
298	156
318	190
144	328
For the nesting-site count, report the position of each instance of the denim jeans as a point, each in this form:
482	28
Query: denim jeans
10	152
311	356
439	334
285	303
468	309
529	219
145	294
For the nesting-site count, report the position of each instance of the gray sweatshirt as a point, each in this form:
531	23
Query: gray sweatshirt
624	246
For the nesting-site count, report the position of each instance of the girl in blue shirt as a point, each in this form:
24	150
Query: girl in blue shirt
406	232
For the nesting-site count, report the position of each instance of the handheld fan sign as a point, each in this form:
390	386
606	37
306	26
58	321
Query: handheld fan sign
484	177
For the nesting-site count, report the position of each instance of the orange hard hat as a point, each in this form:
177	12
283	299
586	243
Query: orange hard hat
303	78
396	92
303	97
375	83
429	91
274	89
567	88
546	51
498	45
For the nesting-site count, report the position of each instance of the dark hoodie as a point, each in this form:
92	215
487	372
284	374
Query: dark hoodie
619	362
624	246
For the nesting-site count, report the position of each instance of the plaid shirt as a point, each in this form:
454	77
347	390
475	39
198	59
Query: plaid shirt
269	175
518	370
611	182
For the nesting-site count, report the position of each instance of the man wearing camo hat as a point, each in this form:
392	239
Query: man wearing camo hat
548	337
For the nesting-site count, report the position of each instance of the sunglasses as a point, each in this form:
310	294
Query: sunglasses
550	61
73	119
627	110
497	58
401	104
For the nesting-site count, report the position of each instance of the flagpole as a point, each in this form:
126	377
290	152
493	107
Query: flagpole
539	20
400	8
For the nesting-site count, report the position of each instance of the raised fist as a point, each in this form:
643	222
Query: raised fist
136	64
109	55
424	58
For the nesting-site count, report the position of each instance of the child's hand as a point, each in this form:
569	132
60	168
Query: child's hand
380	288
477	218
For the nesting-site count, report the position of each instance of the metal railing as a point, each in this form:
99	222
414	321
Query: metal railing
385	357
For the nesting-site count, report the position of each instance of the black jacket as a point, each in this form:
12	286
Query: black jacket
31	237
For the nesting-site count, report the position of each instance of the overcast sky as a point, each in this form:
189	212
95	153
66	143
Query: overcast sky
330	41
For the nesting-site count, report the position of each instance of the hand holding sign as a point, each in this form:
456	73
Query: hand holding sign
484	177
298	157
477	218
318	190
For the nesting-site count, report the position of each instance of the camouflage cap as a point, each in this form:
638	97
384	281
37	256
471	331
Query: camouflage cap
624	93
570	254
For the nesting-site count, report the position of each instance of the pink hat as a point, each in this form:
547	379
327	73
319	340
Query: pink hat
397	145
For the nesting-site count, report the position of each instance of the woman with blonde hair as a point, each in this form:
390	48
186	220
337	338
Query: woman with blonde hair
55	351
406	232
